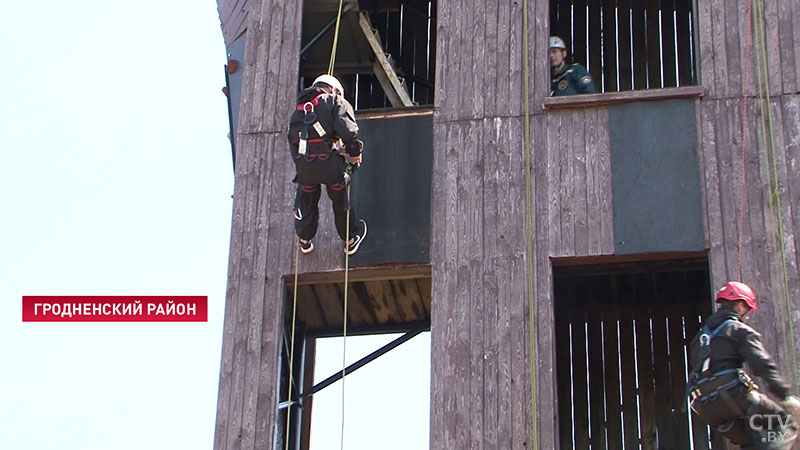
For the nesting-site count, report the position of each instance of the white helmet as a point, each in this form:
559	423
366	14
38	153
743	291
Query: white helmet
557	42
331	81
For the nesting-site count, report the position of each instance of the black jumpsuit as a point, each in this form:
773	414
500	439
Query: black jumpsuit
321	165
743	414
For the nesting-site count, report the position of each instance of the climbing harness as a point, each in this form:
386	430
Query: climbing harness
707	387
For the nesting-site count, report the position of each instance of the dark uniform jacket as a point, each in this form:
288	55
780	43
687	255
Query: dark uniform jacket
336	119
572	79
735	344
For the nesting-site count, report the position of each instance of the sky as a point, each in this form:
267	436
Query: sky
116	179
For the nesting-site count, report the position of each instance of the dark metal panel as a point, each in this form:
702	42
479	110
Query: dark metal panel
392	190
655	177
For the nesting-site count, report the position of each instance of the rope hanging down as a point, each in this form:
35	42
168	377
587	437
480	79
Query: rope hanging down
529	228
789	344
346	281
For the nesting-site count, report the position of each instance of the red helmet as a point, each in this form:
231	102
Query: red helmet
736	290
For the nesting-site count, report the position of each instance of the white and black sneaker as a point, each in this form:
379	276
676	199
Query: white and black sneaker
307	246
352	248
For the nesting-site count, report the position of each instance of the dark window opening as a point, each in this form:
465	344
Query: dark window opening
392	65
629	44
622	332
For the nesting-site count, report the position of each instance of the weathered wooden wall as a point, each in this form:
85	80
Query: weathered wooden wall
234	17
481	348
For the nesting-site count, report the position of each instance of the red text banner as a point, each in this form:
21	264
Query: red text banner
114	308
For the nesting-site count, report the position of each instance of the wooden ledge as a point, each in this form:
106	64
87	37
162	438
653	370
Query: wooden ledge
392	113
611	98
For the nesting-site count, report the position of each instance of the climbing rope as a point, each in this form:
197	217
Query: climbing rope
789	345
346	282
291	346
529	227
335	38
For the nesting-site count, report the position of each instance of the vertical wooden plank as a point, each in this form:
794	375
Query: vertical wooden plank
445	47
596	387
554	181
612	378
683	23
654	61
580	377
663	393
625	45
772	42
581	200
267	298
639	36
515	71
668	52
507	229
729	145
567	201
791	130
538	59
718	41
490	60
593	184
733	45
502	47
477	37
794	12
704	30
492	269
290	36
596	62
647	399
630	415
610	83
605	188
708	151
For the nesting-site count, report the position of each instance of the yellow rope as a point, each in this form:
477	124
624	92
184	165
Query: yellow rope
335	39
296	264
291	347
775	197
529	227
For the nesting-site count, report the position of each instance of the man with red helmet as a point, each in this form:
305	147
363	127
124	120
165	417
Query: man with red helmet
720	390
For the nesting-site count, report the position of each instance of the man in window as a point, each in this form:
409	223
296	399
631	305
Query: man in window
568	79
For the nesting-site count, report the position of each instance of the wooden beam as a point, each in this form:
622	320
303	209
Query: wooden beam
382	67
386	272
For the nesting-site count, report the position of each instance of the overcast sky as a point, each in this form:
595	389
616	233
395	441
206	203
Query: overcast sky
116	179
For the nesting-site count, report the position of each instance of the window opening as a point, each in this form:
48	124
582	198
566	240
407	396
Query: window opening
622	382
386	52
629	44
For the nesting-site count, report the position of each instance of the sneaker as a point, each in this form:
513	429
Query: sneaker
307	246
350	249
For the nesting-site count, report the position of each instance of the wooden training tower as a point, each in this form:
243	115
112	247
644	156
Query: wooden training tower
562	251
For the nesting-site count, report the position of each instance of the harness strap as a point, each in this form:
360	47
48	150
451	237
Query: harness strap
313	102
